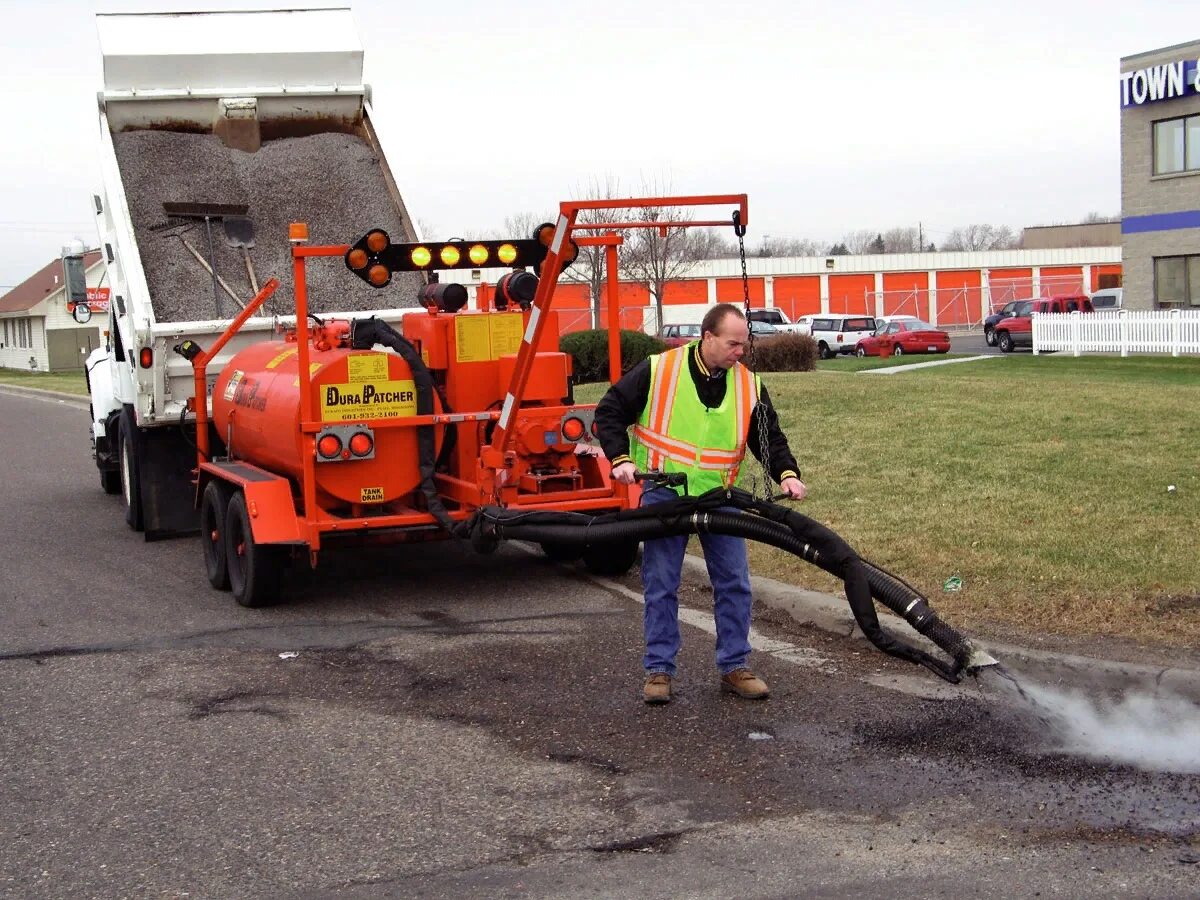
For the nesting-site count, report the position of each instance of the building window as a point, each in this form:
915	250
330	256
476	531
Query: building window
1177	145
1177	281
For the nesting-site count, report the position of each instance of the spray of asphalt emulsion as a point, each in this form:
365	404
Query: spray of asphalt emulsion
1152	731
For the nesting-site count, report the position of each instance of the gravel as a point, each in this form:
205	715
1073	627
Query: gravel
334	182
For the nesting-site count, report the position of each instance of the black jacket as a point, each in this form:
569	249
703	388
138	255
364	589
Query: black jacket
622	406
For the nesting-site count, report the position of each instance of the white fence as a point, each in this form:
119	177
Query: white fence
1124	331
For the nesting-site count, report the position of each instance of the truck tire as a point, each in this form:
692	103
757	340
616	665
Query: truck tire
255	570
214	507
110	480
129	465
610	559
562	552
1004	341
824	352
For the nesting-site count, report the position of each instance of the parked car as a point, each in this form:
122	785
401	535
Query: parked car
1107	299
678	335
779	319
897	335
840	333
763	329
1007	311
1017	331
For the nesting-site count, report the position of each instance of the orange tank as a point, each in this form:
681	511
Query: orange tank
256	410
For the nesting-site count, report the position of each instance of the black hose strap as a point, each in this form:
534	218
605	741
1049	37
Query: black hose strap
366	333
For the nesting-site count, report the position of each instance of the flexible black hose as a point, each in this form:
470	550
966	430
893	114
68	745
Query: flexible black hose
365	334
760	521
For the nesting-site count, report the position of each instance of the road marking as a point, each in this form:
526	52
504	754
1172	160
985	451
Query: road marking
893	370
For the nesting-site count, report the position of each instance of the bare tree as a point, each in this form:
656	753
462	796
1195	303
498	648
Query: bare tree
589	266
902	240
522	226
980	237
857	242
659	255
781	246
710	244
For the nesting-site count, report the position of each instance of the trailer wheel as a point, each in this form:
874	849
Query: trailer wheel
255	570
130	469
614	558
562	552
214	507
110	480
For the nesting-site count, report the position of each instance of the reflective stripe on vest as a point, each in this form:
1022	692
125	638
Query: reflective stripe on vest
675	413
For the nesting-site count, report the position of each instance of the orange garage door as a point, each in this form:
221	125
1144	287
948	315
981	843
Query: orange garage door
798	295
852	294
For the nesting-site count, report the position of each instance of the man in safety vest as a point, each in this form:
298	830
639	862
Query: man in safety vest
696	409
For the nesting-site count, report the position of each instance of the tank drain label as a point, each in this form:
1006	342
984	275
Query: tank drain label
370	495
368	400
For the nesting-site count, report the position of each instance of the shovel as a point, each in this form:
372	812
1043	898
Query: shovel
239	232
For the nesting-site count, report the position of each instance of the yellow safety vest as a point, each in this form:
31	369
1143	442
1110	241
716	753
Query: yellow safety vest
678	433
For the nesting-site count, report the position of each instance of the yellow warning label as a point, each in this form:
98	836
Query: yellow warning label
507	331
472	340
368	400
313	368
370	495
368	367
274	363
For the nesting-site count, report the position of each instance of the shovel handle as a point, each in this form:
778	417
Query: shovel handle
207	268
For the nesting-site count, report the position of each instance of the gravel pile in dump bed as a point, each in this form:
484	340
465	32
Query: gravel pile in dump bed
331	181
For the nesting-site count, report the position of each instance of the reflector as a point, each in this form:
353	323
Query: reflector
356	258
378	275
377	241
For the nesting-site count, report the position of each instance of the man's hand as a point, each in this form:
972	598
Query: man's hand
627	471
793	487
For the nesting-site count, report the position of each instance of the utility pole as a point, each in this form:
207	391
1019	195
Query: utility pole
920	238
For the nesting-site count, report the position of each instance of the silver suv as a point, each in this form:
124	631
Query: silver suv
840	333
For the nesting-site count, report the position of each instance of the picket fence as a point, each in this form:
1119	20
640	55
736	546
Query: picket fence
1172	331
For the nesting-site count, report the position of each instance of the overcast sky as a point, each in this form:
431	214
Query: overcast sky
831	116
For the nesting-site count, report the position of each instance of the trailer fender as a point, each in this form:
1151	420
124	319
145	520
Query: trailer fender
269	503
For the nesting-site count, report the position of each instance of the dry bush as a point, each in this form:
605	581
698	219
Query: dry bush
784	353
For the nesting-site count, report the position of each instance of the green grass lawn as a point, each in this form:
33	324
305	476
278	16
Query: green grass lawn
1041	482
66	382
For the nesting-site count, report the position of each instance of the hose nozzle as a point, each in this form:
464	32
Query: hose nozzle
979	659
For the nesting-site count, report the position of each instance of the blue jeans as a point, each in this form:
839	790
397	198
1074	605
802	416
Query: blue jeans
729	573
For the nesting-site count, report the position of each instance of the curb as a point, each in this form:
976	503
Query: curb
76	400
832	614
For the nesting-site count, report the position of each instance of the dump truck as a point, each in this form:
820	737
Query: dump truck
217	130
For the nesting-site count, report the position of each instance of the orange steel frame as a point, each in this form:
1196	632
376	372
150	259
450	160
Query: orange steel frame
311	521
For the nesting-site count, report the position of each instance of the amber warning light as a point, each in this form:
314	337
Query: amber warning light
374	257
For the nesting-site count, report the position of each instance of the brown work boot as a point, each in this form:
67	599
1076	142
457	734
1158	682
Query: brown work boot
745	684
657	688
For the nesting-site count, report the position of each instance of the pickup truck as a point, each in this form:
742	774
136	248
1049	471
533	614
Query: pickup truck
780	320
1017	330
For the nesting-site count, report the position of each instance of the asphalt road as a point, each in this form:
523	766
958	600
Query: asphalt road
468	726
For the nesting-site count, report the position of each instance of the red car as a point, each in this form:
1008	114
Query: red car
678	335
897	335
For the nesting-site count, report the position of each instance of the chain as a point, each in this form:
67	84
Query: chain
760	409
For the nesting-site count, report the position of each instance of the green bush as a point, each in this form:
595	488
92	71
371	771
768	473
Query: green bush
589	350
784	353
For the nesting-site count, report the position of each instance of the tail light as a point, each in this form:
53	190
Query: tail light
840	339
361	444
146	358
329	446
573	429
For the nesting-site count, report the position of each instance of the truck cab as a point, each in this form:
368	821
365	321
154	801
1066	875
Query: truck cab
1017	330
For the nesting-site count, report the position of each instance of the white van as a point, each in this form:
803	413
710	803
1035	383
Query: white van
1107	299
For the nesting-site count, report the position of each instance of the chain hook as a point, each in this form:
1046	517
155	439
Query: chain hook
738	228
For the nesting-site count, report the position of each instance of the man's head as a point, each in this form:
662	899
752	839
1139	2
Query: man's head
723	336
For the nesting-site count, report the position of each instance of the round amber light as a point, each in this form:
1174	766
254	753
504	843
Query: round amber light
570	254
450	255
545	234
478	254
421	257
378	275
357	258
507	253
377	241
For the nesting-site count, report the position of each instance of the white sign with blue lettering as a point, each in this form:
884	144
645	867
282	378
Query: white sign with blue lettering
1165	82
